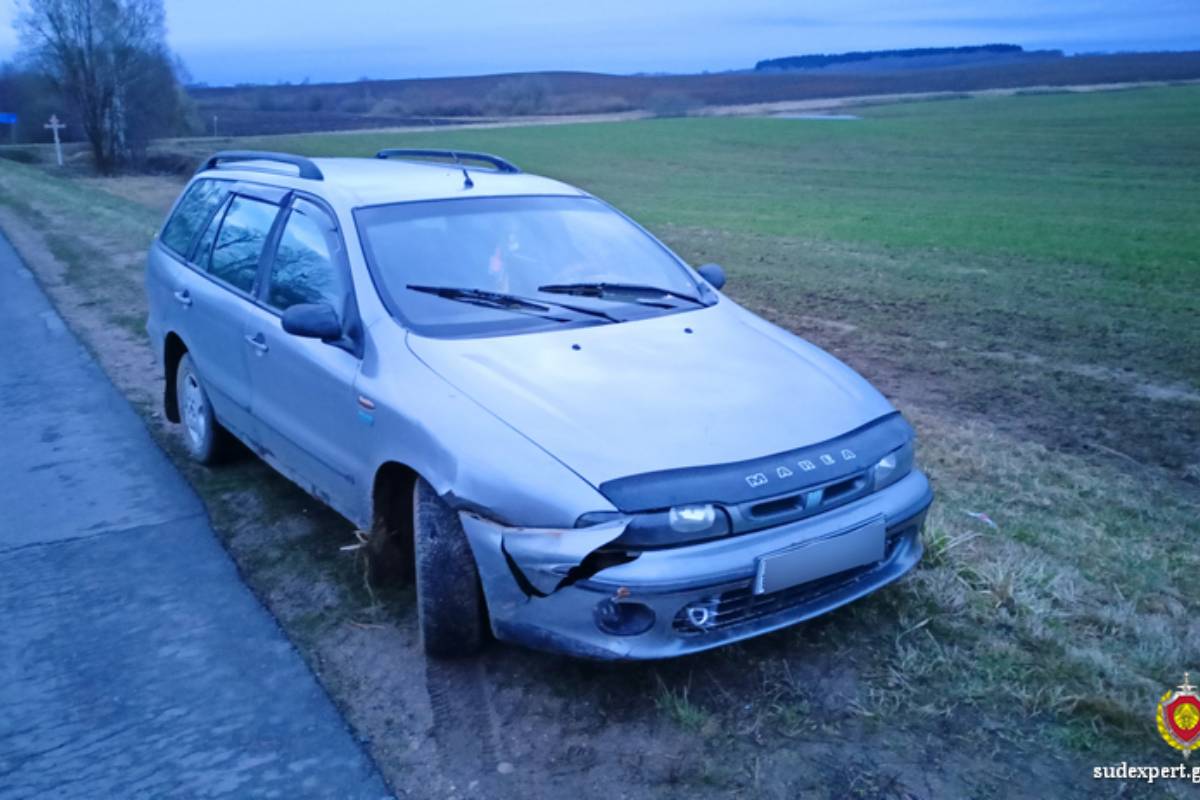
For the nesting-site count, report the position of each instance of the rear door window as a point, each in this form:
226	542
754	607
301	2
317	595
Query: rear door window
239	243
307	267
204	247
193	211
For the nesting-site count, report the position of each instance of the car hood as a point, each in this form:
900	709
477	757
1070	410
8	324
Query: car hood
709	386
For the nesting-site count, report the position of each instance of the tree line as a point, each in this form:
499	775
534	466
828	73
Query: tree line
819	60
104	67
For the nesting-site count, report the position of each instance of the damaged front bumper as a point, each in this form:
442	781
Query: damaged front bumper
559	590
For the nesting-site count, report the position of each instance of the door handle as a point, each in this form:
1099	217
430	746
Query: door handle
183	297
258	342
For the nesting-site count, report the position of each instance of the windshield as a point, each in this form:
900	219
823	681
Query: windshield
515	246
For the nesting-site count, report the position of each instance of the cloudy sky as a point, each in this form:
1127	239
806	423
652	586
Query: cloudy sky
230	41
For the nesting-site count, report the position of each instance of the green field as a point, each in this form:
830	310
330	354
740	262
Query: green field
1054	227
1041	176
1022	276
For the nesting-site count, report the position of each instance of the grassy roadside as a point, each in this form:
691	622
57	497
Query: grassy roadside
1042	347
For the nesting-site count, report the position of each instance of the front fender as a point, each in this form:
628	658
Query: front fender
465	452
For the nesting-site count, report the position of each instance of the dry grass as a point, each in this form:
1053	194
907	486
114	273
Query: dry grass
1075	605
675	703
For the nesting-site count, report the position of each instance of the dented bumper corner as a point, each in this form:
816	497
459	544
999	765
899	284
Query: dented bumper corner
548	589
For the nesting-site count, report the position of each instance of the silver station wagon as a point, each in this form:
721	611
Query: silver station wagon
565	434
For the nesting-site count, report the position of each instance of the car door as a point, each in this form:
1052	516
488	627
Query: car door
304	397
170	267
220	297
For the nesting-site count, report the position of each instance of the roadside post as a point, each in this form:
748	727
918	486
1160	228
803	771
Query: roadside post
56	126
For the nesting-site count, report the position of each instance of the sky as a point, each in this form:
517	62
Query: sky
266	41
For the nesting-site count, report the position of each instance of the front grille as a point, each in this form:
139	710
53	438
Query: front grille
812	500
738	605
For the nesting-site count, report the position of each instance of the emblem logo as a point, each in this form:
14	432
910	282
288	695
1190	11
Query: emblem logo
757	479
1179	717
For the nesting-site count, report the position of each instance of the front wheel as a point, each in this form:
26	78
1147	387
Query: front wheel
449	600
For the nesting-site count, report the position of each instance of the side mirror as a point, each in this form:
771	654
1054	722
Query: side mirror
313	321
713	274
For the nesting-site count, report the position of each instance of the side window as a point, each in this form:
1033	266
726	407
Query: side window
191	214
205	245
240	241
306	268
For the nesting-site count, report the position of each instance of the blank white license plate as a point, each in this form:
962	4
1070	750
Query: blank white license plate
821	557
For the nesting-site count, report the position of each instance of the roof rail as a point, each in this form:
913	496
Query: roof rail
306	167
456	156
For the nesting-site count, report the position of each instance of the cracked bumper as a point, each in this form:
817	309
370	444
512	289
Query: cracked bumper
523	574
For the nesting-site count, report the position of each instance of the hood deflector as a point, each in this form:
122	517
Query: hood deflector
760	478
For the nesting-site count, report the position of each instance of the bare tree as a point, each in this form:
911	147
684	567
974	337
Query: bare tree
101	54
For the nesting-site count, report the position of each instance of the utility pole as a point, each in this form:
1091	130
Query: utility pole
214	126
56	126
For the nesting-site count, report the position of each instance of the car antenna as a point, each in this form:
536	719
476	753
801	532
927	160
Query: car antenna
467	182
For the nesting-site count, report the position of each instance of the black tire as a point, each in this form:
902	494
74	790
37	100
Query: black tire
449	599
207	442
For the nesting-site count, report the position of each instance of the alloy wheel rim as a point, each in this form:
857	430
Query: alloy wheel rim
194	410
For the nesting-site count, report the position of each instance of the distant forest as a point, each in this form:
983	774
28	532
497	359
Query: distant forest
821	60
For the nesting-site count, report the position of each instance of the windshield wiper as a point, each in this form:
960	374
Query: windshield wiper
510	302
632	290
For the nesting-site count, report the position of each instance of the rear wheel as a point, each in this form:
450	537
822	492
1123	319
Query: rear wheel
449	600
207	442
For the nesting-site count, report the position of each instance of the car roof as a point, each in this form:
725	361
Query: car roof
360	182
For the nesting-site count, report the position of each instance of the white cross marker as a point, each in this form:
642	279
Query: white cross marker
56	126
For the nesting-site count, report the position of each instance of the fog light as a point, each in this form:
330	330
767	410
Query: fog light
623	618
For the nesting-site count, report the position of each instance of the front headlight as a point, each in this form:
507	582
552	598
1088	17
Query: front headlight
686	524
892	467
692	519
695	522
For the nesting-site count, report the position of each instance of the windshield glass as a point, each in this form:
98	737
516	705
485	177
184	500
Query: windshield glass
514	246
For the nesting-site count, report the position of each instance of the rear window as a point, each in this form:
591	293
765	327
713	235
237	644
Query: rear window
192	213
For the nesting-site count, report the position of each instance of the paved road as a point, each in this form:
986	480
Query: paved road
133	661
